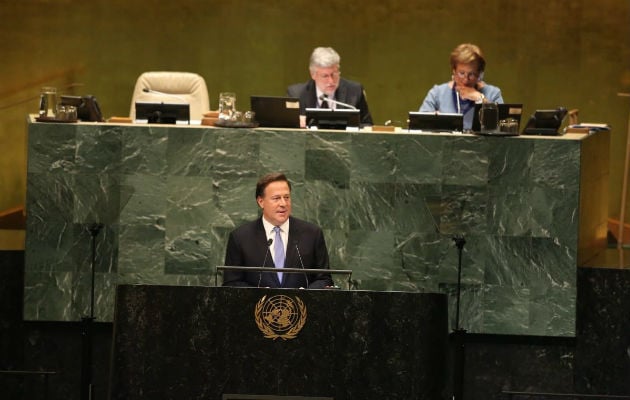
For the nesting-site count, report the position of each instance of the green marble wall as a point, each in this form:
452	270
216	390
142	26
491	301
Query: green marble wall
389	204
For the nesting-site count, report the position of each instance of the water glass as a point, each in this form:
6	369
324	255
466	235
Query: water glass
227	105
249	117
48	102
66	113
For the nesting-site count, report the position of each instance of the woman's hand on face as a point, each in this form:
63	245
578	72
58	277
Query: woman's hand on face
468	93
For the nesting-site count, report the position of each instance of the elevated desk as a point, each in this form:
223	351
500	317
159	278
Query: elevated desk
532	209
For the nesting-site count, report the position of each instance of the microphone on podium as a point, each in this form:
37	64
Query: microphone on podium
269	242
324	97
301	263
147	90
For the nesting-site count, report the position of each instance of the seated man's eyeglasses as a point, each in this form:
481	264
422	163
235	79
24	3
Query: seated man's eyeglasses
333	75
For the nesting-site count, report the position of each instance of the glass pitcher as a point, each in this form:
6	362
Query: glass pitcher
489	117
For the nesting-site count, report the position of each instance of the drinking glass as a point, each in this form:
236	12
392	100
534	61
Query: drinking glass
227	105
48	102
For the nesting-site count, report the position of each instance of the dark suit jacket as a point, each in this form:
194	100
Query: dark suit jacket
247	247
349	92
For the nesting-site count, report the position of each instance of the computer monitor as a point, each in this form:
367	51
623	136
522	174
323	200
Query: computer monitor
325	118
163	113
276	112
433	122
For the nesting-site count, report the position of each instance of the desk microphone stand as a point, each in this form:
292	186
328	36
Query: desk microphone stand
87	326
459	334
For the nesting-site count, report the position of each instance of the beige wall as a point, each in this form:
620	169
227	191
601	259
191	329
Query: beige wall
544	53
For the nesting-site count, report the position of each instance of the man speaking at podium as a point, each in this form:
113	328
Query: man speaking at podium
276	240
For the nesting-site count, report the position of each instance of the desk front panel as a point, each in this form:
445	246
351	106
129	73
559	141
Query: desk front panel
389	204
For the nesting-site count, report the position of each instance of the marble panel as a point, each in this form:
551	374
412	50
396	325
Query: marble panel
420	158
371	206
373	158
321	201
192	152
53	148
283	151
144	151
465	161
390	206
327	158
237	154
98	151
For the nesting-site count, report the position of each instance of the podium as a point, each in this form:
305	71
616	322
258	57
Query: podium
220	343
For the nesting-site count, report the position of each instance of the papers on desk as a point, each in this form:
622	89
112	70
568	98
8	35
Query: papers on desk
591	126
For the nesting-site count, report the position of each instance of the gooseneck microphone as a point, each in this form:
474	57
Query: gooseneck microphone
324	97
301	263
147	90
459	107
269	242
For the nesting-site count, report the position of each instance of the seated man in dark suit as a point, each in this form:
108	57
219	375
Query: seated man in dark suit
326	81
265	242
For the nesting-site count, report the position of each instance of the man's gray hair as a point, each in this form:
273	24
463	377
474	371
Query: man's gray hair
324	57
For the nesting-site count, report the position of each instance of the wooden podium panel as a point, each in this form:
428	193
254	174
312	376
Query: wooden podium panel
209	342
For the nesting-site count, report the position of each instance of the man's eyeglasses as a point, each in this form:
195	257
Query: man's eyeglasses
332	75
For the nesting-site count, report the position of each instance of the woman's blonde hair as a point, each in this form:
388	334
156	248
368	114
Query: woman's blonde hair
468	53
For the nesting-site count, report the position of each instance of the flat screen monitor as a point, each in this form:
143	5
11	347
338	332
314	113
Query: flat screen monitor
276	112
432	122
506	110
325	118
163	113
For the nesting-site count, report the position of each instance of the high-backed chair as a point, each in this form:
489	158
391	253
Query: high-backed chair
174	87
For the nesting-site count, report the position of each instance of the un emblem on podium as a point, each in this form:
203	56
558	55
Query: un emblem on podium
280	316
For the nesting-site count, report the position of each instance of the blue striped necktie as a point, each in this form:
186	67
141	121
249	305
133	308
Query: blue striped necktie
278	251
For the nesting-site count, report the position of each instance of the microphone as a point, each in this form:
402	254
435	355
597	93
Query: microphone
323	97
147	90
459	108
301	263
269	242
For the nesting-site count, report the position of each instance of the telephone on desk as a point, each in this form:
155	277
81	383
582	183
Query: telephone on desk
87	107
546	122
